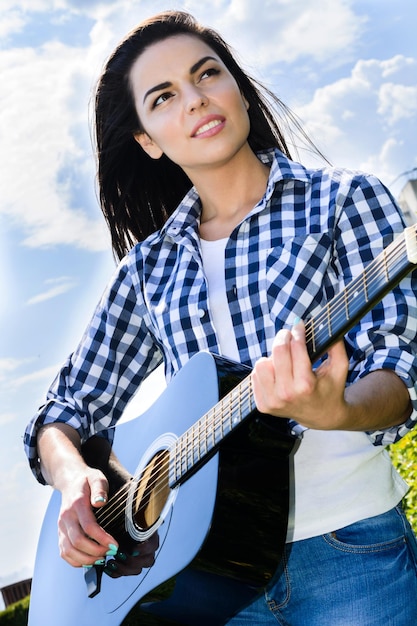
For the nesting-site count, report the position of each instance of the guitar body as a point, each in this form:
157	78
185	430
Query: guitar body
220	541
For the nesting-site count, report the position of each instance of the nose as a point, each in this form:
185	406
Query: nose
195	100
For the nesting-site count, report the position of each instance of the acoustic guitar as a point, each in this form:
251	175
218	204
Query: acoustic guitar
211	477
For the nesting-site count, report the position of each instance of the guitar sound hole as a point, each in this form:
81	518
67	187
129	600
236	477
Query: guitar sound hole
152	491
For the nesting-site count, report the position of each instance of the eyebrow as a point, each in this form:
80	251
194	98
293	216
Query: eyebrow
193	69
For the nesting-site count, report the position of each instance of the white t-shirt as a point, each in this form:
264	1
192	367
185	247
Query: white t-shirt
339	477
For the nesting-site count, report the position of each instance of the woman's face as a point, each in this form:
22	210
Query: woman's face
188	103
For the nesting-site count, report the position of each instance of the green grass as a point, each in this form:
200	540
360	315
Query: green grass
404	457
15	614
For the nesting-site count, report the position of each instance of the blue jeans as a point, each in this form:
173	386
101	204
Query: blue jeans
362	575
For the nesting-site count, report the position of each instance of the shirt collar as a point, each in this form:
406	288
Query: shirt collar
281	168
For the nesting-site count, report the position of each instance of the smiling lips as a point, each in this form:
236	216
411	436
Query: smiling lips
210	127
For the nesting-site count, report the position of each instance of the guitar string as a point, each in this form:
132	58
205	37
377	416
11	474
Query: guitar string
116	503
339	302
242	393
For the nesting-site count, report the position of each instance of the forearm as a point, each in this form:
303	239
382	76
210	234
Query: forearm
59	449
379	400
62	456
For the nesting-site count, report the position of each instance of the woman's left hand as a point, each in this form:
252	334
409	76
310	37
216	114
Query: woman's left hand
131	564
285	384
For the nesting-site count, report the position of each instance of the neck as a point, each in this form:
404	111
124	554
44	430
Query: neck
229	192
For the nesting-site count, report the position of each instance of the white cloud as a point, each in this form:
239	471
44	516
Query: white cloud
397	102
38	376
10	23
362	121
8	365
44	124
57	287
7	418
16	14
16	373
39	122
17	376
25	501
288	30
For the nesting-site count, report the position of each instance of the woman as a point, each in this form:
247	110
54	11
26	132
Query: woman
237	243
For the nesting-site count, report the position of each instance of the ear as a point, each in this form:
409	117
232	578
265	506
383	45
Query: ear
151	148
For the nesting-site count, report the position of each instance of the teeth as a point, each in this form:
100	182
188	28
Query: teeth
208	126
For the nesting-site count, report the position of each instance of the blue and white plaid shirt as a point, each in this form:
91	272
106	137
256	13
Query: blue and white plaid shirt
312	232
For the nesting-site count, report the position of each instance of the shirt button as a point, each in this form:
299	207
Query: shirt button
201	313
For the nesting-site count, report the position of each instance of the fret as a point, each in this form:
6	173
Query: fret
217	425
411	244
204	444
222	421
312	335
346	302
188	450
184	448
385	266
229	420
209	435
329	321
235	394
196	444
365	287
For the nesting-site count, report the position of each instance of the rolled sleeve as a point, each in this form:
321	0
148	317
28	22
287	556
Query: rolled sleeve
403	362
385	338
96	382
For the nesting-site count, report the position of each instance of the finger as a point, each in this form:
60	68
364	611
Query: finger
263	381
83	540
337	360
304	377
86	554
281	354
99	488
274	374
284	366
131	566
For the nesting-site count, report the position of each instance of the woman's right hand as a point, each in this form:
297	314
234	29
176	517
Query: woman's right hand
82	541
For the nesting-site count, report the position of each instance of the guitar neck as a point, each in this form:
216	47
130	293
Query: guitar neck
330	325
362	294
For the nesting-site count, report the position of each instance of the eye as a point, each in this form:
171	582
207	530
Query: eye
211	71
163	97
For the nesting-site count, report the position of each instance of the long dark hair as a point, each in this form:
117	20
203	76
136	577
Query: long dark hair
137	193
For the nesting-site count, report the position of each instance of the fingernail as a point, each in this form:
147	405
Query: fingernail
100	562
296	321
87	566
99	499
112	551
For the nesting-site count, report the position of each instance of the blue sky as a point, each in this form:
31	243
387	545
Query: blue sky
347	68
